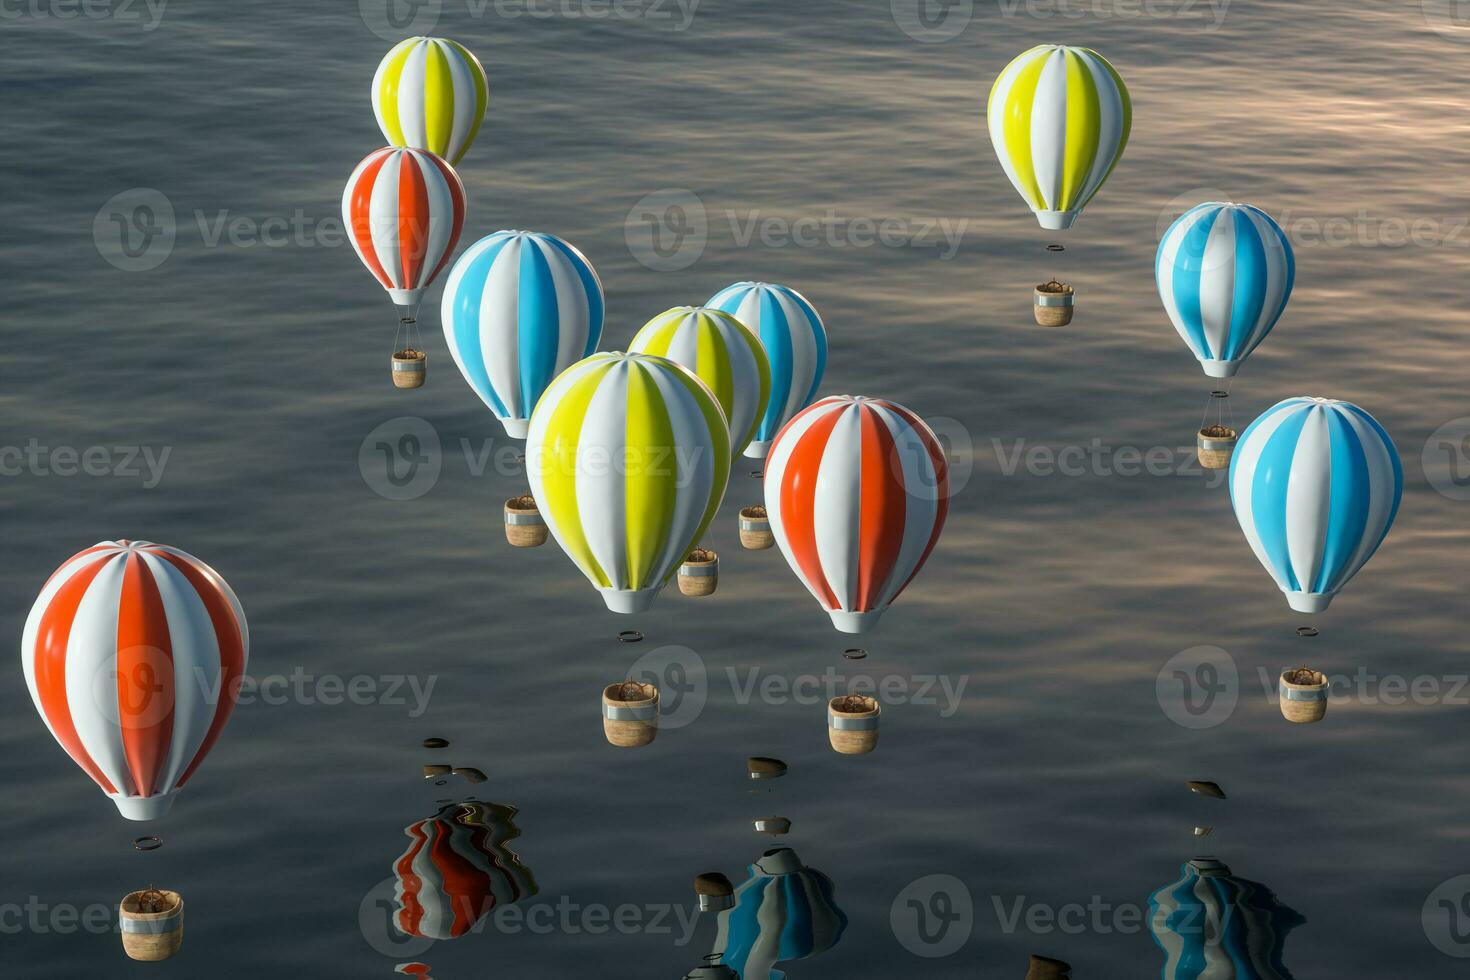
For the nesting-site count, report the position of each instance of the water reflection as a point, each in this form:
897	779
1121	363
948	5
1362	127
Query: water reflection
784	911
457	869
1213	925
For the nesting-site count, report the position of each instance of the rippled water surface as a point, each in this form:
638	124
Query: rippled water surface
1055	780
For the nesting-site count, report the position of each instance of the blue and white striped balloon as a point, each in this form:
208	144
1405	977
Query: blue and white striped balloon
519	308
1224	272
791	331
1316	485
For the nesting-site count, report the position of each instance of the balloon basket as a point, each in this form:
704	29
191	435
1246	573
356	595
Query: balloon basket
852	724
1046	968
1053	304
524	527
715	892
755	529
1303	695
151	936
630	713
410	367
1215	445
700	573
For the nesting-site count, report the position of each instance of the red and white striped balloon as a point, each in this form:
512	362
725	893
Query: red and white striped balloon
404	210
133	653
857	492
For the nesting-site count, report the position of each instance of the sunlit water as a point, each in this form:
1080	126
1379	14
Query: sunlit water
1055	780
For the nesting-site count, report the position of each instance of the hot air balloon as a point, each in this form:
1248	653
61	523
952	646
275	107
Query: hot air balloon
457	869
1316	485
132	653
1212	924
1224	272
795	343
1059	119
723	353
783	911
430	93
519	308
629	455
857	492
403	210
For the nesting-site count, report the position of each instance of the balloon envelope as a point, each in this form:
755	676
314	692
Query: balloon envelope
783	911
403	210
519	308
132	653
430	93
1316	485
1224	273
1059	119
458	867
1212	924
723	353
857	493
796	347
628	456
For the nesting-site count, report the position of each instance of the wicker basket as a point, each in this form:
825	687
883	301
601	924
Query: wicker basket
715	892
700	573
755	529
852	723
151	936
1215	445
410	367
630	713
1303	701
1052	304
524	527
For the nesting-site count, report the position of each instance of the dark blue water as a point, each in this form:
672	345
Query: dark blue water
1050	777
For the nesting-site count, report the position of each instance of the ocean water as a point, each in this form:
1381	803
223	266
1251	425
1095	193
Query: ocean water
1050	781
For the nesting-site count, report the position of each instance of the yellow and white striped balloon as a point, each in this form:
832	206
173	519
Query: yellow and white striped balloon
628	456
1059	120
430	93
723	353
